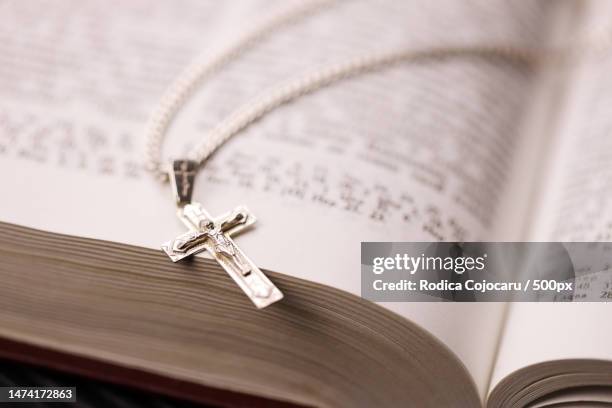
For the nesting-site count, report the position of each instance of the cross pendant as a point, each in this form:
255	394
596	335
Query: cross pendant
214	236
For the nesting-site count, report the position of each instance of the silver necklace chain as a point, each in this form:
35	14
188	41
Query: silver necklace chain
187	82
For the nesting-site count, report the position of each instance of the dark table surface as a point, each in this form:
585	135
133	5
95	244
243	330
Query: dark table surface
90	393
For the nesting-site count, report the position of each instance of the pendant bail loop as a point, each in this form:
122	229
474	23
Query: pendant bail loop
182	177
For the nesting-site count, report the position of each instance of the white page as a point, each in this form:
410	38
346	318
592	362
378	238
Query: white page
401	155
575	205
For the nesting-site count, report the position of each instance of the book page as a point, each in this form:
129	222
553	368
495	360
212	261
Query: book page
576	205
585	396
417	152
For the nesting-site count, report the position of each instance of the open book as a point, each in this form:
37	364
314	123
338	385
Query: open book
454	150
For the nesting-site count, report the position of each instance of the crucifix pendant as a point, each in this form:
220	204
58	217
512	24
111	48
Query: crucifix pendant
214	236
